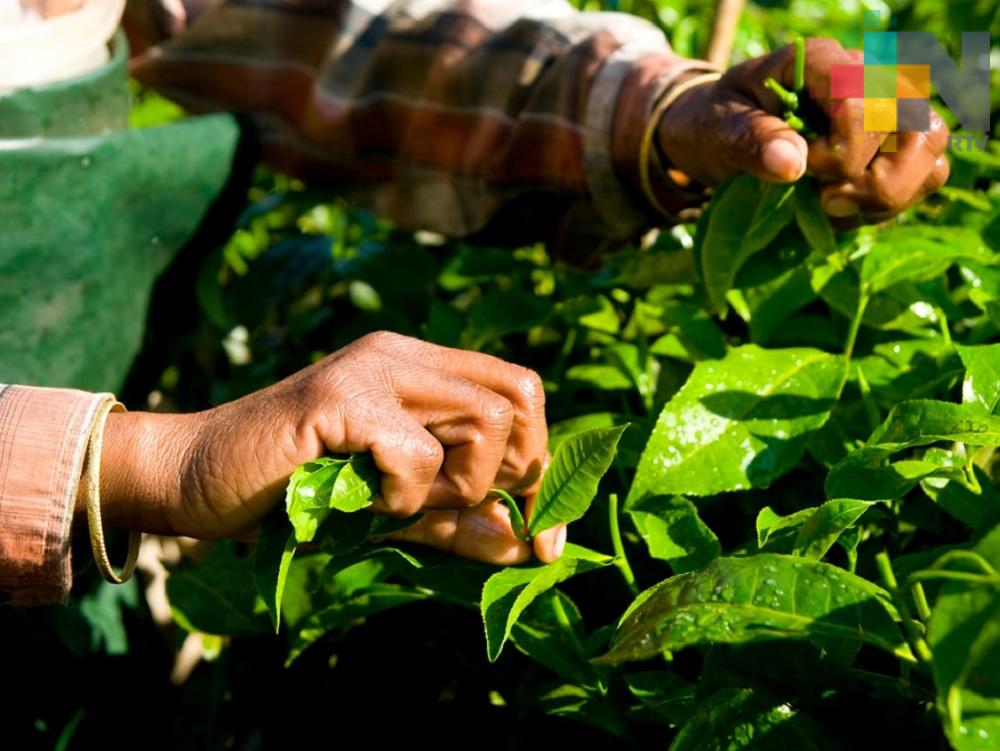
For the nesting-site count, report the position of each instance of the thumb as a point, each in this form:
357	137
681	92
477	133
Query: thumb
767	147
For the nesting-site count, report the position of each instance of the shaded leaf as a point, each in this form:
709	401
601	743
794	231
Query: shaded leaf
863	473
777	533
975	504
826	524
501	312
964	636
915	253
667	696
745	217
766	596
272	559
551	632
674	532
590	708
812	219
742	718
338	615
217	595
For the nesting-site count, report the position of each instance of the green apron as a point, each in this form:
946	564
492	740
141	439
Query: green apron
91	213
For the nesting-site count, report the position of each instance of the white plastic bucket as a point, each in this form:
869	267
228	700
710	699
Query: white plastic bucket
36	52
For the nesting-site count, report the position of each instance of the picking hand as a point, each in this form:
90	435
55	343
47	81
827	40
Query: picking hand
734	125
443	425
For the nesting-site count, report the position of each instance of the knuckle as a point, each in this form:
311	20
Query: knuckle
496	412
522	468
529	385
737	133
425	455
821	45
472	488
379	339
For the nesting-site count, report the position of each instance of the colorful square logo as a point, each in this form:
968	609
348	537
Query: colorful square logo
894	93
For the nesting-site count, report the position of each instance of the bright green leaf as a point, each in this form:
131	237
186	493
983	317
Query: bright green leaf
507	593
826	524
570	483
916	253
316	488
864	474
982	376
739	422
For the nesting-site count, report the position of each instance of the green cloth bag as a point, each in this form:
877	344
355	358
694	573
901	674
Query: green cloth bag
91	213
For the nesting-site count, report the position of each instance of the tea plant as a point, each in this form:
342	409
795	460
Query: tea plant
794	543
810	517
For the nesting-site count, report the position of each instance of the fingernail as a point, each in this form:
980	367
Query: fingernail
841	207
560	542
784	159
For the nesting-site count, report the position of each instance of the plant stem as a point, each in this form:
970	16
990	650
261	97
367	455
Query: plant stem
800	63
959	576
621	561
968	556
871	409
564	622
943	324
516	518
920	600
917	643
852	333
788	98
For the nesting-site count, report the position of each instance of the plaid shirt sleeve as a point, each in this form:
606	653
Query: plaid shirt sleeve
510	120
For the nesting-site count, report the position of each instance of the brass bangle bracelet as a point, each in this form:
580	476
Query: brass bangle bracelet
646	150
92	488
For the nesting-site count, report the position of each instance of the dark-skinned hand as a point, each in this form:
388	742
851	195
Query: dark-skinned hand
443	425
735	125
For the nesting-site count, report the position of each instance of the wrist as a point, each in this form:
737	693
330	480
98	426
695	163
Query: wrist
142	461
667	190
674	125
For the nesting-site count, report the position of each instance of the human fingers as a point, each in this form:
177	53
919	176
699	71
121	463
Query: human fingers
522	387
481	533
894	180
409	458
471	421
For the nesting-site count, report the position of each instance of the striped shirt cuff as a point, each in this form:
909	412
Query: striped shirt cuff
44	434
